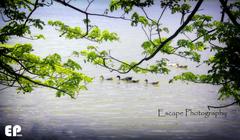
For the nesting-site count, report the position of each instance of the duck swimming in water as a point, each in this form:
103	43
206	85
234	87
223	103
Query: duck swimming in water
125	79
153	83
182	66
178	65
102	78
134	81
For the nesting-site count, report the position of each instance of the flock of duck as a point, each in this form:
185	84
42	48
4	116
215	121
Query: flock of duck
129	79
176	65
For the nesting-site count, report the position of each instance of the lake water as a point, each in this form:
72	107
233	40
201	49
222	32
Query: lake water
116	109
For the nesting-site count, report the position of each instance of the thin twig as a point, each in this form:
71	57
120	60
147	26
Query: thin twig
90	14
223	106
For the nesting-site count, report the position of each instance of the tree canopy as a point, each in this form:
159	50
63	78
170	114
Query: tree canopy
21	68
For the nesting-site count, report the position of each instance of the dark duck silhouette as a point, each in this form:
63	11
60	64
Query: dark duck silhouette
125	79
102	78
134	81
153	83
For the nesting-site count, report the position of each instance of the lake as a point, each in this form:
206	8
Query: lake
117	109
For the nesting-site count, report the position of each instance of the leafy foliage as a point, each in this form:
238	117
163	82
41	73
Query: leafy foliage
21	68
95	34
50	71
225	63
138	19
127	5
150	46
17	19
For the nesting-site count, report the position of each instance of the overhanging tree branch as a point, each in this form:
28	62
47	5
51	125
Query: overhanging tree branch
230	15
170	38
30	14
176	33
91	14
17	76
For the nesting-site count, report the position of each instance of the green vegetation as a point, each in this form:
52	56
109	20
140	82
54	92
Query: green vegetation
21	68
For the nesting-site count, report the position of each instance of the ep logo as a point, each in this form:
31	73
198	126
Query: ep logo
13	130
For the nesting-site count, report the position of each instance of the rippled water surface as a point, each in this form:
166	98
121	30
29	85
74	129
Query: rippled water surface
110	110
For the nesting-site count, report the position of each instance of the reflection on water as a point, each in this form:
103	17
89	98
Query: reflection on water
119	110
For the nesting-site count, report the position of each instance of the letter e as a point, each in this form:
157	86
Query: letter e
8	130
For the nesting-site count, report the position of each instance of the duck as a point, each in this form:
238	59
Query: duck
178	65
153	83
182	66
124	79
134	81
102	78
110	78
172	65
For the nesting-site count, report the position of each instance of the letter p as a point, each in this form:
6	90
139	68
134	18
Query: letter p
16	130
